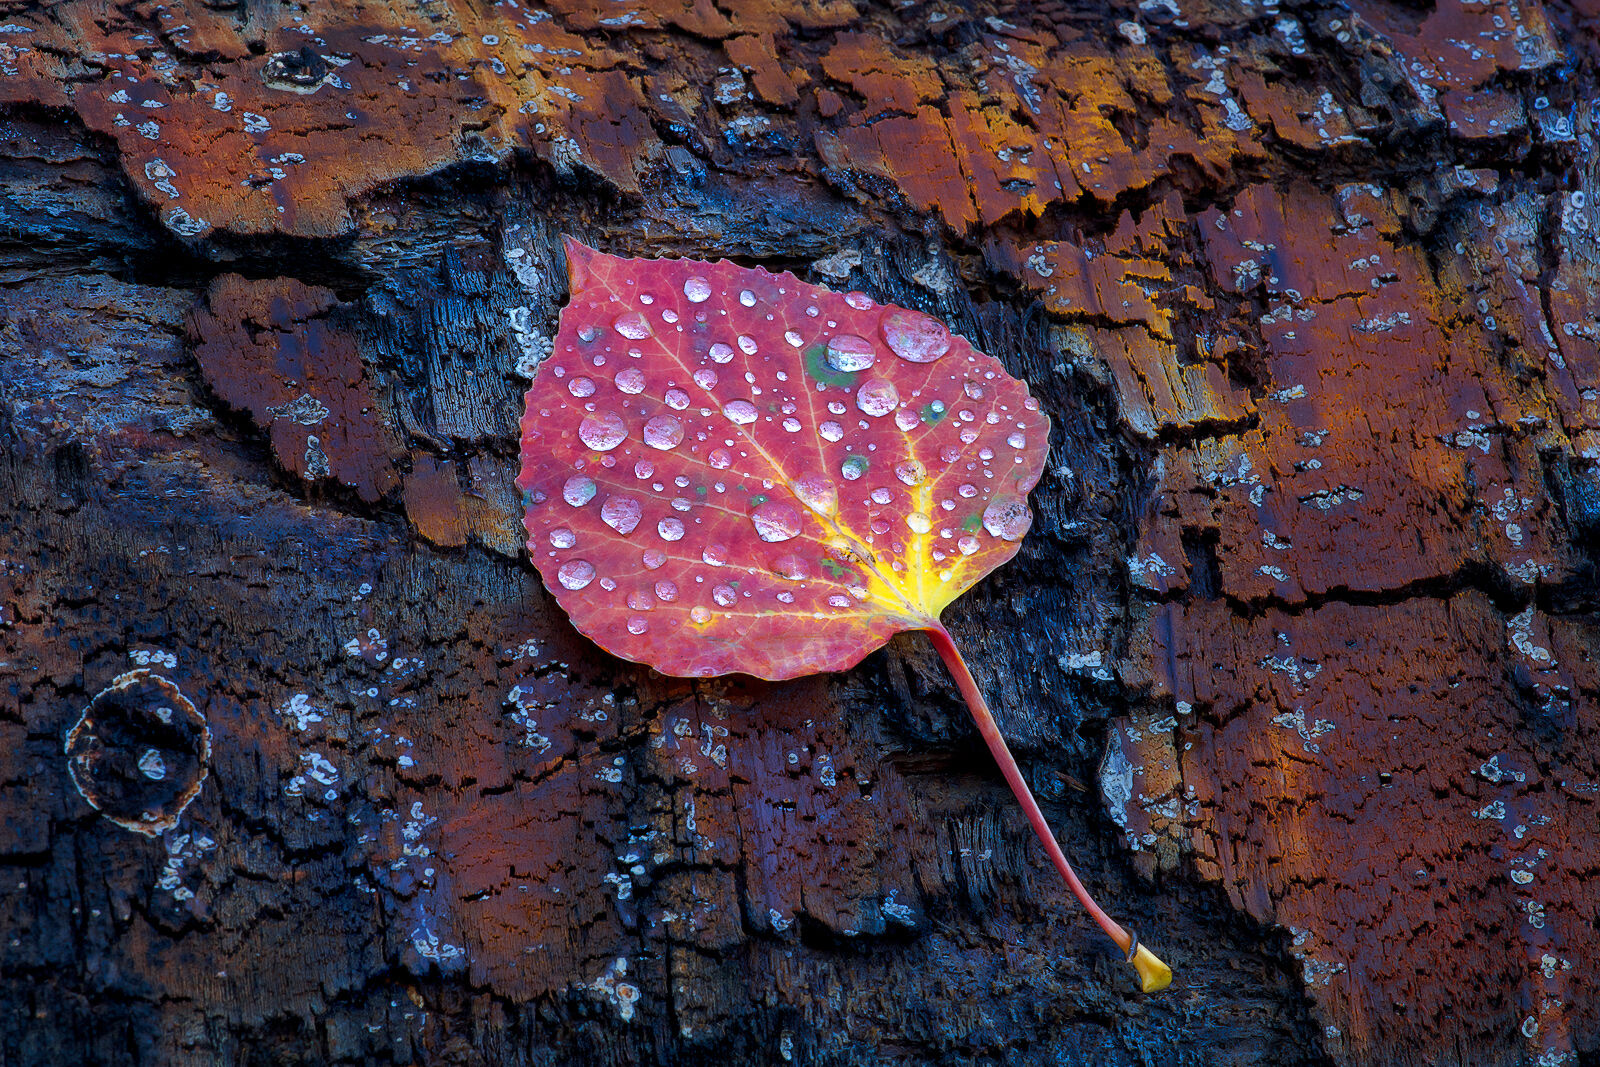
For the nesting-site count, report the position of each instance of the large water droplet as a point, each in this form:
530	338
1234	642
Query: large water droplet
603	430
775	521
793	338
621	513
721	353
915	337
817	492
791	568
877	397
907	420
676	399
663	432
720	458
747	344
715	554
973	390
654	559
919	522
860	301
967	489
838	601
741	412
581	387
632	325
881	495
830	431
747	298
670	529
847	352
643	469
792	424
630	380
561	537
638	624
968	544
666	590
1007	517
724	595
911	472
705	378
697	289
1017	439
639	600
854	467
700	613
575	573
579	490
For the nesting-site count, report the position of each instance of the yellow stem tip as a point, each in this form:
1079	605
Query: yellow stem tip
1154	975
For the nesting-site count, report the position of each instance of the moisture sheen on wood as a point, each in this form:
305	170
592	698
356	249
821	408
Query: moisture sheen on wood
1299	657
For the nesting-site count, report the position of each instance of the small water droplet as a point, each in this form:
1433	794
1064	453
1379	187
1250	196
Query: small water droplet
666	591
639	600
581	387
747	344
654	559
877	397
741	412
638	624
721	353
575	573
587	334
907	420
775	521
747	298
949	453
817	492
967	489
915	337
720	458
579	490
715	554
700	613
630	380
561	537
724	595
793	338
632	325
881	495
705	378
663	432
602	431
1007	517
791	424
973	390
847	352
860	301
677	399
830	431
1017	439
911	472
791	568
968	544
670	529
919	522
643	469
697	289
854	467
621	513
837	601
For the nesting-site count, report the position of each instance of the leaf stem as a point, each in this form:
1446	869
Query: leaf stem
1153	973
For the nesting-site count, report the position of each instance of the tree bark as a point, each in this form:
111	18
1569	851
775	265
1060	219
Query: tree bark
1300	657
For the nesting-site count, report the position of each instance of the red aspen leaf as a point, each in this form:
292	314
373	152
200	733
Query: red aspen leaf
728	470
731	470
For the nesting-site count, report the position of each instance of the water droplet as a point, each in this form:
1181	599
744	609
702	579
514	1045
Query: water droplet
775	521
1007	517
847	352
697	289
632	325
643	469
1017	439
967	489
919	522
677	399
578	491
973	390
666	591
705	378
860	301
638	624
794	339
715	554
670	529
575	573
747	298
630	380
791	424
654	559
747	344
720	458
721	353
741	412
877	397
663	432
837	601
915	337
699	613
912	472
581	387
830	431
949	453
968	544
817	492
907	420
621	513
881	495
602	431
639	600
588	333
561	537
724	595
791	568
853	467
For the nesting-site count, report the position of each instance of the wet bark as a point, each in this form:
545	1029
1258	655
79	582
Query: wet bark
1300	656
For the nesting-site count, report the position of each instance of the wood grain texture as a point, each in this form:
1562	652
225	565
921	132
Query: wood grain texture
1300	654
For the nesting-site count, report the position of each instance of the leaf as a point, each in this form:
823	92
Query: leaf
731	470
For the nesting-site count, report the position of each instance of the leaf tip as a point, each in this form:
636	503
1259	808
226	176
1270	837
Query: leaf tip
1154	976
579	256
